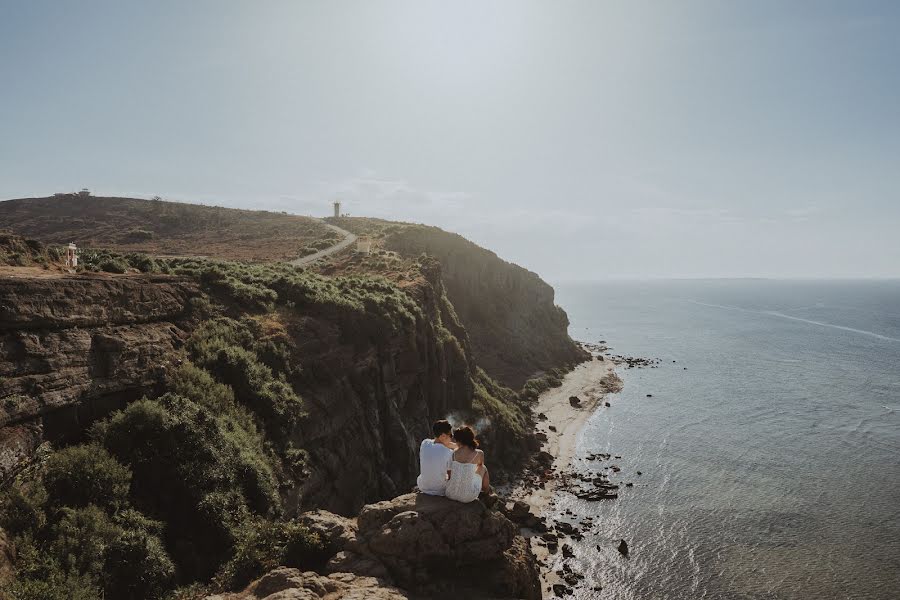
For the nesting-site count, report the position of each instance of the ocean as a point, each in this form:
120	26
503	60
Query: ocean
770	448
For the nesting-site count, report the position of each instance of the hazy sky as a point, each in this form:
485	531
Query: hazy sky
582	140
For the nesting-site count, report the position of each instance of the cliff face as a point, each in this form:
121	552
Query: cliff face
515	328
74	348
371	402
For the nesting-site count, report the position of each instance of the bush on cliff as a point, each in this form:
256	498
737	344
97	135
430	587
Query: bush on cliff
227	349
83	475
507	416
262	545
195	471
68	520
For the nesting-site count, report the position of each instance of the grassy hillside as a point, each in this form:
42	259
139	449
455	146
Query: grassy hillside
163	228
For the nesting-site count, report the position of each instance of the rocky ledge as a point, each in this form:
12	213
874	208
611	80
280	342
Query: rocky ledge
285	583
416	544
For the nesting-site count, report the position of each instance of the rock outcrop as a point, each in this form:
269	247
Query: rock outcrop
74	348
415	544
434	547
292	584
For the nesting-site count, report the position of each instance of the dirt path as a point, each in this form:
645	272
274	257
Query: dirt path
349	239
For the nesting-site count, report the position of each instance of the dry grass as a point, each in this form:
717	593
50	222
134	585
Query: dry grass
162	228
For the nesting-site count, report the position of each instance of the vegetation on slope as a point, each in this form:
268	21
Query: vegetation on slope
185	487
188	487
516	331
18	252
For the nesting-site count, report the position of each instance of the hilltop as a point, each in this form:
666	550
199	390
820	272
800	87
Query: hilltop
159	227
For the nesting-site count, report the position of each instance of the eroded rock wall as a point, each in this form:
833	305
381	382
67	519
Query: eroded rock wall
372	401
74	348
515	328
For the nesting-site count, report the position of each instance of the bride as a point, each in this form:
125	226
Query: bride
468	475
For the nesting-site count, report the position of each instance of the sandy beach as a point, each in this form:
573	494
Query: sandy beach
590	382
586	382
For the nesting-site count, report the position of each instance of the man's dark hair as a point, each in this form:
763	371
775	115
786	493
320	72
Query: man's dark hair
439	428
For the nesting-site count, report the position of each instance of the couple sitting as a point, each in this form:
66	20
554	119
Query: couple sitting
452	465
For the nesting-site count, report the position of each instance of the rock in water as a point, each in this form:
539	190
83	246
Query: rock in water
623	548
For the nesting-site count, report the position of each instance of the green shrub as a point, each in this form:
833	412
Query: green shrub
82	475
499	405
273	399
197	470
137	568
79	539
143	263
263	545
22	508
221	347
54	585
113	265
192	382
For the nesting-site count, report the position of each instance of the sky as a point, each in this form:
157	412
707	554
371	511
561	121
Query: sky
581	140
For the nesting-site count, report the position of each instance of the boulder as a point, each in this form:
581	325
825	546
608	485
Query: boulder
517	511
285	583
336	532
433	546
353	562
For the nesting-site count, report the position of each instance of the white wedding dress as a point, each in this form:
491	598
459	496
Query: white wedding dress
465	483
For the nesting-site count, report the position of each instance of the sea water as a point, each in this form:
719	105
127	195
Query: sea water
770	448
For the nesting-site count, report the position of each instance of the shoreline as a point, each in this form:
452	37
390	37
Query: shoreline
590	381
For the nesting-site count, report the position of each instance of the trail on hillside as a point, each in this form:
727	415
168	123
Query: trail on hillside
349	238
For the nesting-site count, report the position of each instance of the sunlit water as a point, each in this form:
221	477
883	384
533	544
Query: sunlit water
771	465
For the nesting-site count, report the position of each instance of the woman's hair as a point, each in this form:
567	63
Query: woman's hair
465	437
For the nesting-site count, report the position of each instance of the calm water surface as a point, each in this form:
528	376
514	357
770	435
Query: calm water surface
770	449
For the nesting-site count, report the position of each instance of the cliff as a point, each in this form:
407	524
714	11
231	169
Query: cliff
370	401
74	348
270	390
516	330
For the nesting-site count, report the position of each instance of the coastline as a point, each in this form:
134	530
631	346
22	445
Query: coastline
590	381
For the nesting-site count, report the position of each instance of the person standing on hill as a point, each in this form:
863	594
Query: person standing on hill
435	456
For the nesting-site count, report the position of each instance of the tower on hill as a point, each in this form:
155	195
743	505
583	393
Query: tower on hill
337	209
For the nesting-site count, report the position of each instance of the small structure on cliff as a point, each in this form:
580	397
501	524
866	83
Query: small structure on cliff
337	209
364	245
72	256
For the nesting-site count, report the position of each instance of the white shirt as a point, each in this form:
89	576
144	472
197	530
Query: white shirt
434	462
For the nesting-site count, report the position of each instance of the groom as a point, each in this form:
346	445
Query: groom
435	456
